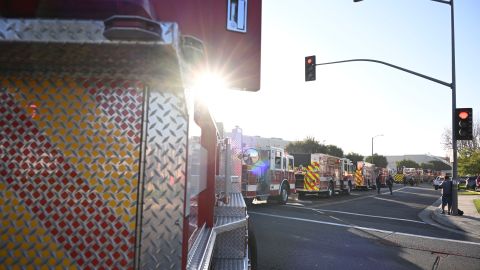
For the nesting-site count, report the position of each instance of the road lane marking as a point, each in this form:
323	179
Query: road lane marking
431	189
365	228
362	215
295	204
420	194
354	199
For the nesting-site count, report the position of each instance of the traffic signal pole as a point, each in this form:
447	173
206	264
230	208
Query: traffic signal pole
454	107
452	86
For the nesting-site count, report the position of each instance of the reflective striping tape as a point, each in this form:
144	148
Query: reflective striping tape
359	178
310	185
76	175
398	177
292	186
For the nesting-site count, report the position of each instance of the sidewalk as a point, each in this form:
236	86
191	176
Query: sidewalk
469	223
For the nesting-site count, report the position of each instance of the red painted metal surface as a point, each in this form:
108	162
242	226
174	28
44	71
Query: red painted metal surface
206	198
235	56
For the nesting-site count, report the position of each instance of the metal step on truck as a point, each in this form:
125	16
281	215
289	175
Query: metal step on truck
107	161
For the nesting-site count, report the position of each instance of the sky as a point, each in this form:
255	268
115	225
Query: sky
350	103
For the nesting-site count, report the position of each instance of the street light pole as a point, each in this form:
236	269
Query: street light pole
372	144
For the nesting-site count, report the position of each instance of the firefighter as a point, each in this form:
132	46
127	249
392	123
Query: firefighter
378	183
390	183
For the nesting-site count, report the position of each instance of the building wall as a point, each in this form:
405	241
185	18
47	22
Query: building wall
256	141
392	160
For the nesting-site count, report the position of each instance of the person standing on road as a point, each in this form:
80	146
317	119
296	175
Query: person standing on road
377	183
447	189
390	183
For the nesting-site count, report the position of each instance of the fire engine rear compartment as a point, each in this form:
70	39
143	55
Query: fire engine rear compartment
94	147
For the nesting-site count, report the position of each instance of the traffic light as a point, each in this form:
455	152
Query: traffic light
310	74
463	127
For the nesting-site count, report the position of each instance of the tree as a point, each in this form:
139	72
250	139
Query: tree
467	149
473	145
469	163
308	146
427	166
354	157
407	163
378	160
334	151
439	165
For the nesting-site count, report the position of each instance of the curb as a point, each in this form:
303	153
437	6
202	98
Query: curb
435	215
432	216
427	216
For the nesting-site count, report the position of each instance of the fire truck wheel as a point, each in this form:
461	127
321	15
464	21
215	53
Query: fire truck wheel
283	194
330	190
301	195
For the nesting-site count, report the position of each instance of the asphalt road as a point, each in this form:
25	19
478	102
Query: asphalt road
360	231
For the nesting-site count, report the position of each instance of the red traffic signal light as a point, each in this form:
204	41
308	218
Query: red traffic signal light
464	124
463	115
310	71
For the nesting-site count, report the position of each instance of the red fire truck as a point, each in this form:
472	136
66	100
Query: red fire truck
267	172
107	162
364	175
322	173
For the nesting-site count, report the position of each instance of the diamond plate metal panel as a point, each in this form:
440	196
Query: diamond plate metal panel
78	46
164	191
231	244
237	150
69	151
231	264
68	31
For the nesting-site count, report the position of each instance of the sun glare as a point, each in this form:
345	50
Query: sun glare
209	88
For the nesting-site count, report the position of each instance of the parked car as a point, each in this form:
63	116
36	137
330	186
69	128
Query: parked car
437	181
471	182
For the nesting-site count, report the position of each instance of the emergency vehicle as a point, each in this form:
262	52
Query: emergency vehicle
107	160
267	173
365	175
321	173
348	169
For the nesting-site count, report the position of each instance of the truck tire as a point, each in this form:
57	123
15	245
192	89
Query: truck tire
330	190
301	195
283	198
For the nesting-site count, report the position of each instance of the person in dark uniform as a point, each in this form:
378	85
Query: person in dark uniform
377	183
390	183
447	190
